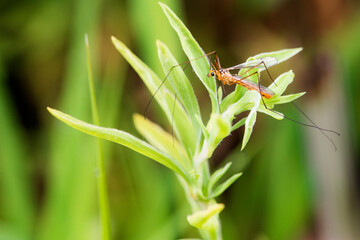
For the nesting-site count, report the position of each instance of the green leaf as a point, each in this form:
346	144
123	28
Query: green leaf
204	129
200	219
238	124
193	51
217	175
233	97
122	138
249	124
182	125
151	80
243	104
282	82
219	128
272	113
221	188
250	121
176	76
286	98
162	140
281	55
220	93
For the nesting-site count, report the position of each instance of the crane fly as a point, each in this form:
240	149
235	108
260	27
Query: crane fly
224	75
227	78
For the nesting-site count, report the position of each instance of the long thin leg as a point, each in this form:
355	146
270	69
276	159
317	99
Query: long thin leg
250	68
322	130
167	75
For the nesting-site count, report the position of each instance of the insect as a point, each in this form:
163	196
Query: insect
227	78
224	75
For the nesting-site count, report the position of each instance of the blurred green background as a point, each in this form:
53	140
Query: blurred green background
294	186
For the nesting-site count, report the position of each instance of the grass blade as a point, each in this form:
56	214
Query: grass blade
101	179
119	137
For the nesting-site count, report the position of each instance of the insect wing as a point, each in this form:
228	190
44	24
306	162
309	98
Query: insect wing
267	92
256	63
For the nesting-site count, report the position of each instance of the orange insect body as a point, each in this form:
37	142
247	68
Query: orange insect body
224	75
227	78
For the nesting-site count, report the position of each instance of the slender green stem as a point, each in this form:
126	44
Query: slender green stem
213	233
193	192
101	178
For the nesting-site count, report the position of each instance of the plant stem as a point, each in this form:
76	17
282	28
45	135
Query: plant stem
101	176
193	191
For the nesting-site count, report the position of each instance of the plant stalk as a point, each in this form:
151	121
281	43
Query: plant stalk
100	163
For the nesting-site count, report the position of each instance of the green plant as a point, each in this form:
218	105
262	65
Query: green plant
187	153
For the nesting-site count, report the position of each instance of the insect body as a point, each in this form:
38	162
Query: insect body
224	75
227	78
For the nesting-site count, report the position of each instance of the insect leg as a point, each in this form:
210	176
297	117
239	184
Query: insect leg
167	75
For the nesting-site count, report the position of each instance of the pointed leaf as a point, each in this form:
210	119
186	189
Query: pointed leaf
245	103
162	140
249	124
204	129
192	49
219	128
220	93
122	138
250	121
181	123
282	82
221	188
281	55
202	219
286	98
176	76
240	123
272	113
151	80
217	175
233	97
